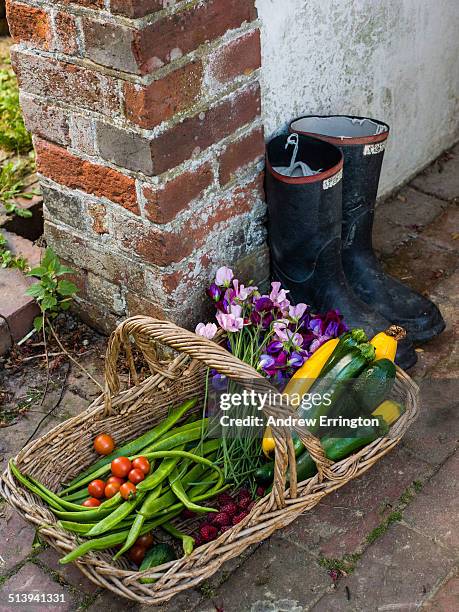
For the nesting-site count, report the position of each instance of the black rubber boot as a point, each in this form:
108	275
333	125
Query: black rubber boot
362	142
304	217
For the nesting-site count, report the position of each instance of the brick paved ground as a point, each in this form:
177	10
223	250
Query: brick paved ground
393	532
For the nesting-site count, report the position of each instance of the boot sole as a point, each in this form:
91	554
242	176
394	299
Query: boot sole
428	334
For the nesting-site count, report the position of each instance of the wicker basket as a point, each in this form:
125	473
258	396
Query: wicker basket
63	452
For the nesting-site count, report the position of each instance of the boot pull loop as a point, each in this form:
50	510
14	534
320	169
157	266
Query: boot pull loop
292	140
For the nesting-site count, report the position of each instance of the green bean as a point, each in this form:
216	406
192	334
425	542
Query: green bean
177	487
177	439
133	447
65	505
34	488
83	528
111	540
163	471
87	516
81	494
187	541
133	534
109	522
112	502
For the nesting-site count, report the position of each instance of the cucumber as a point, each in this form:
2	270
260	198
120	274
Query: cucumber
159	554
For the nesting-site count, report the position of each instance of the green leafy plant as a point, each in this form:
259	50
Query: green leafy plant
12	175
53	293
13	134
8	259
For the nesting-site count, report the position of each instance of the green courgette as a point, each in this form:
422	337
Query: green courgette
334	448
373	385
331	387
159	554
349	340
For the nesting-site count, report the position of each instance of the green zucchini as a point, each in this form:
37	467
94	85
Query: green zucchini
349	340
373	385
334	384
159	554
335	449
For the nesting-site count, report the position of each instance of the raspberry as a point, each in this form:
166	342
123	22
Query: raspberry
250	506
239	517
244	493
198	541
260	491
225	528
221	519
229	508
224	498
187	514
244	503
208	532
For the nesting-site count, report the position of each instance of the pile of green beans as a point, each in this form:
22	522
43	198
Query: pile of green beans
179	479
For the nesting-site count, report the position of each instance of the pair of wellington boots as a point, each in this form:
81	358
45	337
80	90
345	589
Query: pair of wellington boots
321	184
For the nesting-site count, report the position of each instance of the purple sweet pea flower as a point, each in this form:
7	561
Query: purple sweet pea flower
295	360
219	382
266	362
263	304
316	326
214	292
224	276
206	331
274	347
281	359
332	329
317	343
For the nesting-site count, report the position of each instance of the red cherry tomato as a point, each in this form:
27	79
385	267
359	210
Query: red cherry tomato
92	502
121	466
137	554
136	476
142	464
112	489
96	488
145	541
115	480
128	490
104	444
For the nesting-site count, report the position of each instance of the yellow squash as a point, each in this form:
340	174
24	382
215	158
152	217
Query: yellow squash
390	411
386	342
300	383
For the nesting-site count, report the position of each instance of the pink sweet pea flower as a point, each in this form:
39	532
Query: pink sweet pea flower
296	312
233	321
224	276
279	296
206	331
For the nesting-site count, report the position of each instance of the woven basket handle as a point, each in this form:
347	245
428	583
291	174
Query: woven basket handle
146	331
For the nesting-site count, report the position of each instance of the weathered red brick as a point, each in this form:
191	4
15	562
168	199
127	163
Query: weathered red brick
66	82
177	34
88	3
98	214
45	120
199	132
163	248
65	29
67	169
239	57
136	305
163	203
148	106
138	8
241	153
29	24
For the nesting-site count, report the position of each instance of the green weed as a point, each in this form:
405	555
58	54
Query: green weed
13	134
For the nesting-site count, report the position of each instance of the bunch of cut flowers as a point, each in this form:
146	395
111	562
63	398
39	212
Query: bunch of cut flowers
272	335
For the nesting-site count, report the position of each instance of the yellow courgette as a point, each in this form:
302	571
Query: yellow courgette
386	342
390	411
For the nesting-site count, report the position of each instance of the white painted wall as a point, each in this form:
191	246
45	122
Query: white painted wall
395	60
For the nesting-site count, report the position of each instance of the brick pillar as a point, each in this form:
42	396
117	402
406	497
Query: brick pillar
146	123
